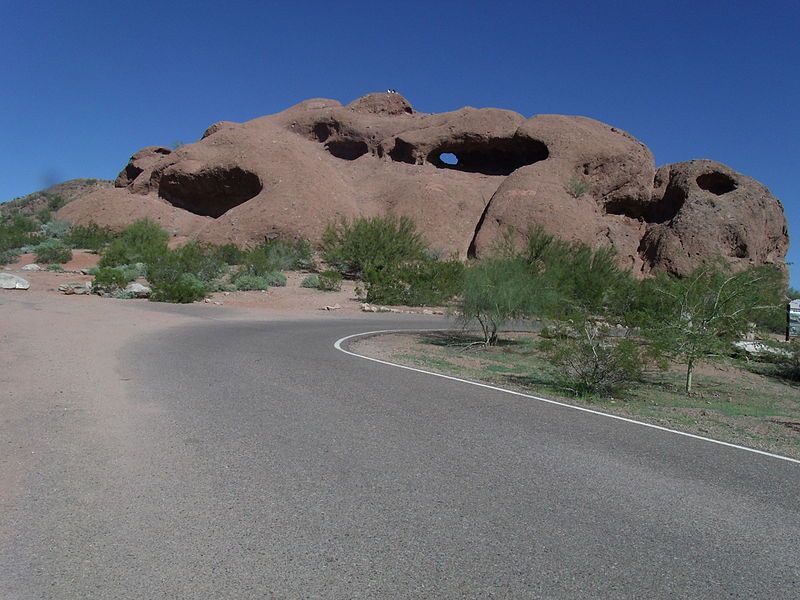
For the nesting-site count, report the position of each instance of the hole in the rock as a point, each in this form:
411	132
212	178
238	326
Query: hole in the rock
210	193
716	183
347	149
322	131
402	152
497	156
660	211
448	158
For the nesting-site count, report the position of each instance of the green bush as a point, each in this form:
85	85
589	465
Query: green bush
327	281
112	277
44	215
230	254
260	282
17	231
54	202
588	281
167	272
577	187
88	237
8	256
787	364
312	281
144	241
182	289
365	244
330	281
277	255
55	267
54	229
421	283
589	361
53	251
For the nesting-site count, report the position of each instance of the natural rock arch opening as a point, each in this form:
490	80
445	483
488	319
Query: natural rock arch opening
211	192
347	149
497	156
717	183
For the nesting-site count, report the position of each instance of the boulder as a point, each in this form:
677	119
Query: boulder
12	282
137	290
702	209
32	267
73	288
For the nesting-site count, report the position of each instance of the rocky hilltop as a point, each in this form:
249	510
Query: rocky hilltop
465	177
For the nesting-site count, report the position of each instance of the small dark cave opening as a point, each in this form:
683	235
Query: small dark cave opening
402	152
497	156
660	211
717	183
347	149
209	193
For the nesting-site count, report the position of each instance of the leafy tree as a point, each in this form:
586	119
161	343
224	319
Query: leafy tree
498	290
699	316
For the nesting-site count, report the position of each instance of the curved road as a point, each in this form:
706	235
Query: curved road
253	460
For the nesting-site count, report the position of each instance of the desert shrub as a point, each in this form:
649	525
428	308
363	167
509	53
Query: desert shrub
200	261
55	267
788	364
327	281
16	231
182	289
54	229
168	271
53	251
330	281
44	215
230	254
577	187
112	277
589	361
588	281
144	241
55	202
8	256
260	282
88	237
421	283
353	248
277	255
312	281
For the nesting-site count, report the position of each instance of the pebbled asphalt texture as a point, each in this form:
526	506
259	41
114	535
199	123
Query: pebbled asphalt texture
253	460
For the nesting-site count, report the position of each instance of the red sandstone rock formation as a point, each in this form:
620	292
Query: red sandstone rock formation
291	173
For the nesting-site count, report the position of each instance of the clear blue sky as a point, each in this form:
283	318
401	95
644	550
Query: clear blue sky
85	84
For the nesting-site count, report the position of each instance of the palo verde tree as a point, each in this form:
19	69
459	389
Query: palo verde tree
694	318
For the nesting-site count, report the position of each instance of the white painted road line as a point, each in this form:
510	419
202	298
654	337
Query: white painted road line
340	341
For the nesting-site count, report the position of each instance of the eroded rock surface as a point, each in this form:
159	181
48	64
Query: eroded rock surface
466	177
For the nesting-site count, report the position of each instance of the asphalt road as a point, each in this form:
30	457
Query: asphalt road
253	460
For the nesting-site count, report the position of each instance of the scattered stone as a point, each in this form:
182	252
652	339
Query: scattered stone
334	307
32	267
12	282
138	290
73	287
226	293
